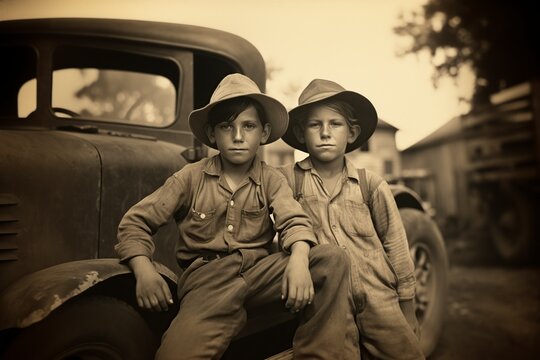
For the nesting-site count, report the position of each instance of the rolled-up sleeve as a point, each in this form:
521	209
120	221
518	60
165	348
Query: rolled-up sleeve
291	222
389	227
141	222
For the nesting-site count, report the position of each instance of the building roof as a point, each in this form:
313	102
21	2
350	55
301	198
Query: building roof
384	125
449	131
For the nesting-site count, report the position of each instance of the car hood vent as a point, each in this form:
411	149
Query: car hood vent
9	227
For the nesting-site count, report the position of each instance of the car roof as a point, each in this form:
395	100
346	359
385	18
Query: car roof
232	47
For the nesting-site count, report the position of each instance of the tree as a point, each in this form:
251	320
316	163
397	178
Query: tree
496	38
129	96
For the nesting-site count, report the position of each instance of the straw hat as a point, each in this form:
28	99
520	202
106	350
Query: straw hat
319	90
237	85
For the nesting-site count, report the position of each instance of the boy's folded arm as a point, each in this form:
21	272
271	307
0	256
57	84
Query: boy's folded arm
152	291
407	307
291	221
136	246
128	249
406	287
297	235
135	233
141	266
391	231
297	285
409	312
142	220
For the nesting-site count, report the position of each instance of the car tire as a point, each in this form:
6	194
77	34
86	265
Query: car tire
512	225
94	327
431	269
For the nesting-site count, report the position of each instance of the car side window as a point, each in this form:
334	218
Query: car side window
114	95
114	86
105	85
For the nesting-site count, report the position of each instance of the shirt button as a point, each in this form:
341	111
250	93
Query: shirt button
230	228
333	226
232	202
203	216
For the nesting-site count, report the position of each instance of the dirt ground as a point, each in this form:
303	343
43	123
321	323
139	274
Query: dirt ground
493	309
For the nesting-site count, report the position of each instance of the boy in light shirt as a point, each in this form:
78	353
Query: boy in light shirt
355	210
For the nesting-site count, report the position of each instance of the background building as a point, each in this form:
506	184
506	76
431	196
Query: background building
435	167
380	153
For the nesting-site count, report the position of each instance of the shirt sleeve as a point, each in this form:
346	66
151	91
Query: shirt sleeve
390	230
291	222
142	220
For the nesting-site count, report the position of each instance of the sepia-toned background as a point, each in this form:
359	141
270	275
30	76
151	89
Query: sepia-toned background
456	87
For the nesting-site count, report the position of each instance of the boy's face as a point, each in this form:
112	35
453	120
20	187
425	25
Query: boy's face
238	141
326	134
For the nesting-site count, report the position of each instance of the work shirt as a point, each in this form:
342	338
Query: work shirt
359	225
213	217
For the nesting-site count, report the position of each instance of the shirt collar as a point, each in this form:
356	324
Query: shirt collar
305	164
214	168
350	169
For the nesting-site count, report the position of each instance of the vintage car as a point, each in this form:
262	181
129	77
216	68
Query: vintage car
93	117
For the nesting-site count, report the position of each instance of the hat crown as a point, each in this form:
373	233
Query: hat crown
319	89
234	85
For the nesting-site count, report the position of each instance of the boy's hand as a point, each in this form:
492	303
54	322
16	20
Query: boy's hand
152	291
297	286
408	310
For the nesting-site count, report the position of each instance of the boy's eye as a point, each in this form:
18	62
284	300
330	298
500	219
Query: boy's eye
336	124
224	126
250	126
313	125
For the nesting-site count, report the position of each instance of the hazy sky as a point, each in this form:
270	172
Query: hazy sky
350	42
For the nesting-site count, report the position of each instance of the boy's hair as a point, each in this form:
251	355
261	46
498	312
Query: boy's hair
341	107
229	110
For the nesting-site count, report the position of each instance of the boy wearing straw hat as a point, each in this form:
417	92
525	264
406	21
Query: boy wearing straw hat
354	209
224	238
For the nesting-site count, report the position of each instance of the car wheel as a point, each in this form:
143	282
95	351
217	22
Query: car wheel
94	327
512	225
428	252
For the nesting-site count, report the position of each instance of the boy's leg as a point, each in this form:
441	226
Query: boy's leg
384	330
211	311
351	345
323	324
386	334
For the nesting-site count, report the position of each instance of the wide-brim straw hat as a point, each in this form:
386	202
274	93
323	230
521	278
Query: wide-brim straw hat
233	86
319	90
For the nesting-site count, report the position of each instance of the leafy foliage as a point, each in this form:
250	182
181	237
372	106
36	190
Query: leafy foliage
129	97
495	38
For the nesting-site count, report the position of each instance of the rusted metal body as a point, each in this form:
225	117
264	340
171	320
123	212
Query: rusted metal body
47	289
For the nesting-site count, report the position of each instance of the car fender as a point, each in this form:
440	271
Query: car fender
406	198
33	297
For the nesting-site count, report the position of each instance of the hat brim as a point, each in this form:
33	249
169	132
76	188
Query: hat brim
364	109
276	116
